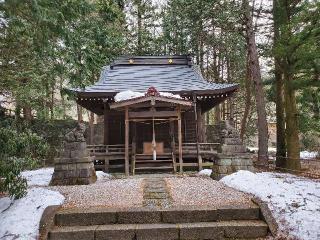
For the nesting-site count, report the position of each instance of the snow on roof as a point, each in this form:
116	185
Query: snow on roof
128	94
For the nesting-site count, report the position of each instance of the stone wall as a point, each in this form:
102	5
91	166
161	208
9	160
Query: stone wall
232	154
74	166
228	164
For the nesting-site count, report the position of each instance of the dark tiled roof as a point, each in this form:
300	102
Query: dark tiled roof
164	77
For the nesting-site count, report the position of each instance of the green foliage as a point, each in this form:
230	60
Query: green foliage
19	150
11	179
47	46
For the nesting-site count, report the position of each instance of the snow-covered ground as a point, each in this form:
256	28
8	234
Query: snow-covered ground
39	177
205	172
308	155
20	218
294	201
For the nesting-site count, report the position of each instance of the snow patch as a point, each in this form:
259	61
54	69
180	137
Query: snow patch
126	95
39	177
21	220
103	176
170	95
308	155
205	172
294	201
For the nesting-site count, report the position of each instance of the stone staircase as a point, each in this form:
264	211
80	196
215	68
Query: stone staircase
145	163
158	224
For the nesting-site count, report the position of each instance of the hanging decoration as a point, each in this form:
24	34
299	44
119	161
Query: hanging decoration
154	144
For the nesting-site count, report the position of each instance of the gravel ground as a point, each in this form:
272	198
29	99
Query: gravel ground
204	191
115	193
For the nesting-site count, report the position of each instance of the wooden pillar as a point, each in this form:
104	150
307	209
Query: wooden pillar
173	146
106	124
199	132
134	148
126	157
180	140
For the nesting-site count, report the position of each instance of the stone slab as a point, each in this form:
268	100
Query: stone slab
115	232
246	229
71	233
85	218
157	232
189	215
199	231
142	215
238	213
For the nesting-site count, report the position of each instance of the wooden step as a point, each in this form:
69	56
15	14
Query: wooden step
155	161
155	168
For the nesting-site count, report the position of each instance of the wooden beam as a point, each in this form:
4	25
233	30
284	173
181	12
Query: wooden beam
180	139
142	99
152	113
134	148
106	124
127	141
198	119
173	145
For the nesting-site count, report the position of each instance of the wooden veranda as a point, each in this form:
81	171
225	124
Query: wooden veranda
112	157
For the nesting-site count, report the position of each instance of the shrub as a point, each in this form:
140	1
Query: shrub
18	151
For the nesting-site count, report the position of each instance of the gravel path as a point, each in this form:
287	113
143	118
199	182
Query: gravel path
116	193
203	191
155	193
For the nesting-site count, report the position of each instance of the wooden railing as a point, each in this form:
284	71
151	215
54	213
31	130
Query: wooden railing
203	147
100	149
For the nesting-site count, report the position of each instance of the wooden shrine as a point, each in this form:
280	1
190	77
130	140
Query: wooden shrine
163	129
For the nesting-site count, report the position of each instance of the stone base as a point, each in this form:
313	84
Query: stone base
73	171
228	164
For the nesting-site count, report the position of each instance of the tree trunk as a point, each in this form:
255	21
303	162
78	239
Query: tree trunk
139	50
27	115
217	114
259	92
292	132
281	142
79	113
290	107
248	88
91	127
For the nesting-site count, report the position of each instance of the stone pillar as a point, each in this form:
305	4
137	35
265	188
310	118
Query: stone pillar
232	156
74	166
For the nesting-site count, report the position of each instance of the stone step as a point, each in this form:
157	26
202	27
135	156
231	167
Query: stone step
187	214
202	230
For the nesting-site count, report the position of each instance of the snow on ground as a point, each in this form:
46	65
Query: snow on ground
205	172
101	176
39	177
21	219
294	201
308	155
128	94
